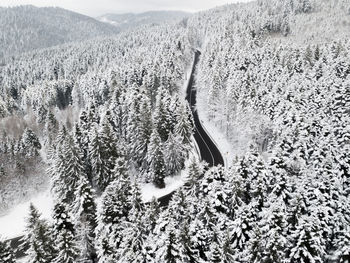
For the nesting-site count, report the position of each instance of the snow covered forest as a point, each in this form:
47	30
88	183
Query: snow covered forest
96	119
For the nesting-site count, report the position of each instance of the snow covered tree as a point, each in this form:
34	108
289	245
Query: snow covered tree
30	144
85	216
307	244
175	153
184	123
192	181
155	158
6	253
134	231
169	251
38	239
342	253
67	169
65	239
115	208
162	120
99	161
215	253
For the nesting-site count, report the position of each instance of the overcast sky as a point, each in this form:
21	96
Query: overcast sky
99	7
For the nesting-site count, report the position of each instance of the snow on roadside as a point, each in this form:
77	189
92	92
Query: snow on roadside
218	137
13	223
149	191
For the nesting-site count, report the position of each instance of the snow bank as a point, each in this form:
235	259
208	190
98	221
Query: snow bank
149	191
13	223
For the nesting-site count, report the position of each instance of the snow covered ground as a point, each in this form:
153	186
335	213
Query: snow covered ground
13	223
172	183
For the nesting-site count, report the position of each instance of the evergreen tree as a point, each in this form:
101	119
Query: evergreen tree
162	116
66	245
99	162
169	251
175	154
184	123
215	255
192	180
115	208
67	169
85	216
307	243
134	232
343	247
30	144
38	239
155	158
6	253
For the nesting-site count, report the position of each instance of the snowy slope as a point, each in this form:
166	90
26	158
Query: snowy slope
13	224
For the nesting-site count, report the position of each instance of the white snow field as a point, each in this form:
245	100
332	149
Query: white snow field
13	223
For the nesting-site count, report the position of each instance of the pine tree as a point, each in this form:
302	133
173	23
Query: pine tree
51	126
192	180
152	212
109	150
155	159
66	245
307	244
134	231
67	169
100	168
6	253
184	123
175	154
115	208
215	255
162	115
187	251
38	239
343	247
85	216
169	252
30	144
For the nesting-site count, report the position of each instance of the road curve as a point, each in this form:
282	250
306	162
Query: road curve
207	148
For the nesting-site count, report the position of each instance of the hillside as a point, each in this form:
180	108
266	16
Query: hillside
130	20
25	28
270	84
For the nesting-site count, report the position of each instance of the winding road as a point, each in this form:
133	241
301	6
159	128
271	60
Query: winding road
209	152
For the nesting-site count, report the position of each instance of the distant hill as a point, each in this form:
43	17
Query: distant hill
130	20
25	28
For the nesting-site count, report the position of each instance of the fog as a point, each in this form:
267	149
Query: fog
96	8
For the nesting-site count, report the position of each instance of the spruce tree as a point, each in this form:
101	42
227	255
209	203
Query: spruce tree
67	169
65	239
175	154
307	243
155	158
6	253
115	208
215	253
169	251
132	247
99	163
85	216
162	116
38	239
